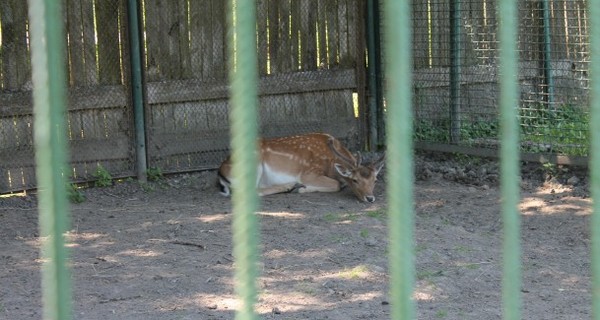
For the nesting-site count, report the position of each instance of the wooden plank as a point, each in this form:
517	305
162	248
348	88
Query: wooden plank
153	38
89	42
89	150
295	29
309	35
284	49
262	10
354	19
16	70
343	30
274	37
218	69
80	98
421	52
197	10
17	179
322	34
190	90
172	144
75	44
184	41
107	21
333	30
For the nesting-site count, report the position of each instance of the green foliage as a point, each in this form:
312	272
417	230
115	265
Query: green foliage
364	233
439	130
73	193
154	174
147	187
562	130
103	177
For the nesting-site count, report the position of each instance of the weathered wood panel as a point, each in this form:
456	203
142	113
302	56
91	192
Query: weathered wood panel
108	13
16	69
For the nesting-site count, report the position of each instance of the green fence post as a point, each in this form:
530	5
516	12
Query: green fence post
136	89
49	104
594	14
509	158
399	143
243	75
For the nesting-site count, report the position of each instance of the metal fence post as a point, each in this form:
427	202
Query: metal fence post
49	97
136	88
398	61
509	158
243	75
594	14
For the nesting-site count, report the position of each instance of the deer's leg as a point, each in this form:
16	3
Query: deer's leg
319	184
282	188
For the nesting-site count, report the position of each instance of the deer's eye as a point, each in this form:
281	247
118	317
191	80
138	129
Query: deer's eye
354	180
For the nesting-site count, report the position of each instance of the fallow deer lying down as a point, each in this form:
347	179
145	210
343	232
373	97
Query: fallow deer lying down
313	162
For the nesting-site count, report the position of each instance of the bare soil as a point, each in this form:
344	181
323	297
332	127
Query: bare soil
163	251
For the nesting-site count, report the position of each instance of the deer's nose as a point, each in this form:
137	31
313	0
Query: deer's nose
370	198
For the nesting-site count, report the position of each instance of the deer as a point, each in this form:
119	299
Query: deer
315	162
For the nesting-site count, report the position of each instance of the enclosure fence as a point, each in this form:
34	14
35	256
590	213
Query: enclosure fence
457	71
50	136
172	108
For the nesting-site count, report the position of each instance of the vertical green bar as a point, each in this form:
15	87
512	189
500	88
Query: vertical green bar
509	162
243	74
594	23
49	98
399	143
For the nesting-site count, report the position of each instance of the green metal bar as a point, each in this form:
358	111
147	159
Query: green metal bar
594	23
455	57
373	62
49	101
243	74
136	88
548	76
509	158
398	40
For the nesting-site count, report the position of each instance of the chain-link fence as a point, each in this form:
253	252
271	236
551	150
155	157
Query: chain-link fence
456	75
310	57
99	115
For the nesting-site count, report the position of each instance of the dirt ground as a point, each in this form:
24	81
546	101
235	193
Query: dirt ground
163	251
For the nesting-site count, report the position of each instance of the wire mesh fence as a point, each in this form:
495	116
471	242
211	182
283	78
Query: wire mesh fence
99	115
310	55
456	74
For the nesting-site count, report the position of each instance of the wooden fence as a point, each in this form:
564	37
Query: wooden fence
311	66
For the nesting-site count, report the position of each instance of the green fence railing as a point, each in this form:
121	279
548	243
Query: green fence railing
49	101
594	165
243	75
509	158
399	156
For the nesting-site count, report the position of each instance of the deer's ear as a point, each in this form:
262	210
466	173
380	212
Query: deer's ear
343	171
378	165
358	158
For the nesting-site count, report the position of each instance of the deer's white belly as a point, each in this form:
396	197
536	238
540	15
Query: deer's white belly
267	177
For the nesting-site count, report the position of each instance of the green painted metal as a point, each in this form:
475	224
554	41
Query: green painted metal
549	77
398	39
49	101
243	75
509	158
594	165
373	63
455	63
136	88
